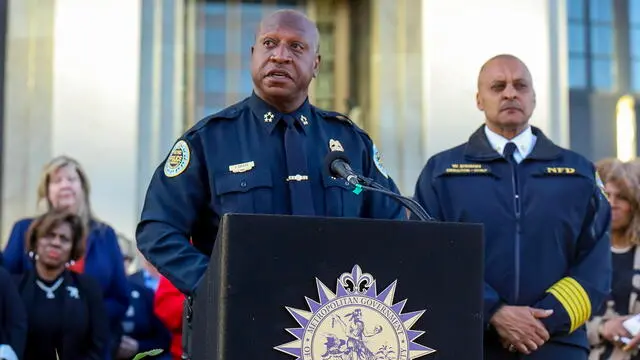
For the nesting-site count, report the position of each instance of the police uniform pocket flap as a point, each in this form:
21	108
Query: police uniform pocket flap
329	181
243	182
470	169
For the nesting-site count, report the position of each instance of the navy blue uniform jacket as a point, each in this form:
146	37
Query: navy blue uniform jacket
546	248
235	163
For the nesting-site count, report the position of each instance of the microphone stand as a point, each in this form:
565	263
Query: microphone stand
412	205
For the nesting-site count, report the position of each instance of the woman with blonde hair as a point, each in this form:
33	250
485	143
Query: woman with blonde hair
605	330
64	185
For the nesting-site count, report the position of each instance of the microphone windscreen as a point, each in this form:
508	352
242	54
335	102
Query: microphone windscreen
331	157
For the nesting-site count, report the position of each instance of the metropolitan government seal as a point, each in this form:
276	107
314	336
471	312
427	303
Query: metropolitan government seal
355	323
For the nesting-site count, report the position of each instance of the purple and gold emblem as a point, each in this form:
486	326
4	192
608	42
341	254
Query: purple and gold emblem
355	323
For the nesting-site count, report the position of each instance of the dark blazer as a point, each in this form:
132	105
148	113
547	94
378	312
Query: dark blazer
141	322
136	278
13	316
86	331
102	255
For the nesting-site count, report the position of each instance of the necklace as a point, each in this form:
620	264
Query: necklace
49	289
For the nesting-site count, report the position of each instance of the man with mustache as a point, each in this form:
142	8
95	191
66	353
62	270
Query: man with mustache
546	220
263	155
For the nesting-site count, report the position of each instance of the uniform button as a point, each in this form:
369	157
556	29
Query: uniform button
243	183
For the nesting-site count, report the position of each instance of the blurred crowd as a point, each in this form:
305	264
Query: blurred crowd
608	336
73	288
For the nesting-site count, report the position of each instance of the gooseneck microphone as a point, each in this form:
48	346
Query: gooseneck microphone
337	164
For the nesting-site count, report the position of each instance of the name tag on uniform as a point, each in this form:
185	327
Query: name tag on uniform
243	167
559	171
467	169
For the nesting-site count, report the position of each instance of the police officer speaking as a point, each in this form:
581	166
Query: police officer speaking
546	219
263	155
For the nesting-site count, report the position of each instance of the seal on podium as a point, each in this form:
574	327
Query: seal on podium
355	322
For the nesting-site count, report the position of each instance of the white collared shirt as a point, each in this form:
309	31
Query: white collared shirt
524	142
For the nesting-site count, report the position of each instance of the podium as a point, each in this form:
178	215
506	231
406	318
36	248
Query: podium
311	288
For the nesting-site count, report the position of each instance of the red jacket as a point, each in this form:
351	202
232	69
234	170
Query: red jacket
169	305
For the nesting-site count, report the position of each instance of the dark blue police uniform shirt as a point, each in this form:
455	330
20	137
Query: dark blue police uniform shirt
234	162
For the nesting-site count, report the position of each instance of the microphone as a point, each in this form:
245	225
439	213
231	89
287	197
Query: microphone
337	164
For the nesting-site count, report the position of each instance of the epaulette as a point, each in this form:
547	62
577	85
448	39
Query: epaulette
229	112
334	115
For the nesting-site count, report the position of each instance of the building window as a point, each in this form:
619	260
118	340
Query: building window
578	50
219	55
634	43
591	44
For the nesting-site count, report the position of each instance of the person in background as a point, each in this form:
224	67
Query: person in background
545	216
142	329
67	319
605	329
144	274
169	306
147	276
13	319
64	185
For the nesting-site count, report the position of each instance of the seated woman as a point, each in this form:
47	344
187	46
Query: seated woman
13	319
64	185
67	319
605	329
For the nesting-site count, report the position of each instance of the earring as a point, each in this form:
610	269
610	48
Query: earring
70	263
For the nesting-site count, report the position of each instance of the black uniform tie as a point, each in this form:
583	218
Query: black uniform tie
298	176
508	152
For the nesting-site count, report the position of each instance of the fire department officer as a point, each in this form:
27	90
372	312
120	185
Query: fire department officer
546	219
263	155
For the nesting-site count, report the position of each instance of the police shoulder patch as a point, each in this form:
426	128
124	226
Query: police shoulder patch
178	159
377	159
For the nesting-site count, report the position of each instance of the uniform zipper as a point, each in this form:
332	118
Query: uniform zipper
517	211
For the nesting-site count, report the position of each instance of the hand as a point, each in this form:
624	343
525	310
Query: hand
519	326
128	347
612	329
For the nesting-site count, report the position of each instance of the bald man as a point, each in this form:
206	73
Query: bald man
263	155
547	257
